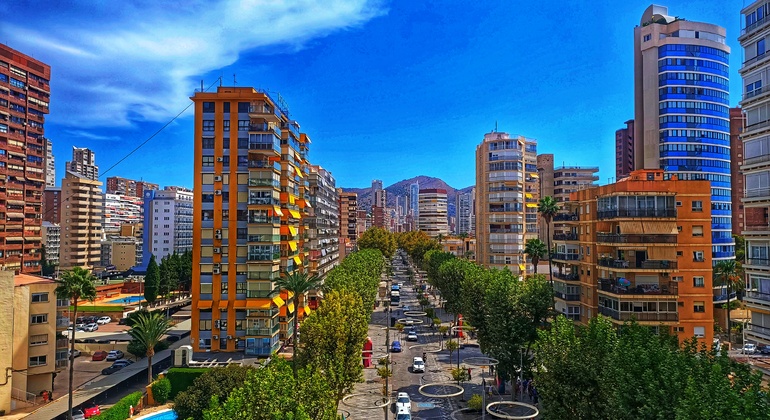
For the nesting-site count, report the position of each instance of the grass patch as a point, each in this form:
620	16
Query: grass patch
98	308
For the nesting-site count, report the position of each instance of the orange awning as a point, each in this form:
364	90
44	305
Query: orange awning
258	303
204	304
222	304
277	211
306	203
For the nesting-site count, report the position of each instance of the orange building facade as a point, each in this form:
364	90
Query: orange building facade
250	198
639	249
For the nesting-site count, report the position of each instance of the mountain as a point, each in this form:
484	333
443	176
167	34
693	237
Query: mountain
401	188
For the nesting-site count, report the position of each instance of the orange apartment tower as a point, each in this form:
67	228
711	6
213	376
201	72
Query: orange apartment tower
24	97
250	197
639	250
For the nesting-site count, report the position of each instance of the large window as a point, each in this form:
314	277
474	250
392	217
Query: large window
39	319
38	361
39	297
758	184
208	125
699	306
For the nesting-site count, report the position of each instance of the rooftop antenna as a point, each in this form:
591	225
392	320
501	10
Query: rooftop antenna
201	85
495	126
235	81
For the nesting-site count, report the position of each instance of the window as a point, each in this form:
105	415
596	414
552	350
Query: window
209	107
226	125
240	288
208	125
760	47
679	253
38	339
697	231
37	361
225	287
697	256
699	332
647	37
208	161
226	107
677	278
699	306
698	281
205	288
39	297
208	142
204	325
243	107
39	319
243	125
697	205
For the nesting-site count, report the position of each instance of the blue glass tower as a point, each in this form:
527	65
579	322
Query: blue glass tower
682	120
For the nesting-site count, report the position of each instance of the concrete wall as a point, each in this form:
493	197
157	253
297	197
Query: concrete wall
6	338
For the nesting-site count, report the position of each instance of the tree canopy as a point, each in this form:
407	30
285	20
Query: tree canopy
378	238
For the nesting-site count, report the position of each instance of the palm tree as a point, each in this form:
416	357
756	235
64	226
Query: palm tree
148	329
728	273
299	284
75	285
536	250
548	208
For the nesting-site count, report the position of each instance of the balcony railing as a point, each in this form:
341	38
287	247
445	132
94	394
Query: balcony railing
611	286
610	214
573	317
645	265
723	298
561	217
565	256
759	329
568	277
263	332
764	262
753	294
565	237
636	238
756	25
639	316
567	296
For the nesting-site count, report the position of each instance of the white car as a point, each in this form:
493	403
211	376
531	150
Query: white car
749	348
91	327
104	320
418	365
412	336
403	403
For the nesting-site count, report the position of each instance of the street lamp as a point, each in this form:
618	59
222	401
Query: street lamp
483	397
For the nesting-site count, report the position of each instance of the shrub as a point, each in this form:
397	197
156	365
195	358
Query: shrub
140	351
120	411
217	382
182	378
475	402
161	390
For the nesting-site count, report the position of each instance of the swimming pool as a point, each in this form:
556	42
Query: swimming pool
160	415
127	300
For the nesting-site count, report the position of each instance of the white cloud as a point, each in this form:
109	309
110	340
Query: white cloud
115	63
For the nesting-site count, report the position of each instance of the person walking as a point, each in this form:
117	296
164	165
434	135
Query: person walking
469	374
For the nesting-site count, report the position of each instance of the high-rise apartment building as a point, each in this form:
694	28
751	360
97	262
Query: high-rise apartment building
568	179
348	206
414	199
168	222
756	166
52	241
464	205
507	191
737	122
624	151
125	186
681	119
52	205
433	212
50	165
83	163
24	99
250	201
323	224
639	250
81	222
121	210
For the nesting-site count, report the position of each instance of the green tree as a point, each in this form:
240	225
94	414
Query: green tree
536	250
728	273
216	382
152	281
148	330
184	265
74	285
548	208
740	248
432	262
168	272
161	389
332	341
48	268
378	238
451	346
298	284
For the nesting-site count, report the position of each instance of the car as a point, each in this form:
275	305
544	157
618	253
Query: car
749	348
75	353
408	322
175	338
78	415
395	347
91	319
80	326
111	369
122	363
114	355
91	411
418	365
403	415
91	327
765	350
403	403
104	320
122	321
405	308
412	336
98	356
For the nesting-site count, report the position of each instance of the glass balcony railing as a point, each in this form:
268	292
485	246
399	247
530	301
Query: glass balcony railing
633	238
567	296
639	316
633	288
663	213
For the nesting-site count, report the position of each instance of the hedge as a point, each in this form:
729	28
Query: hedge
182	378
120	411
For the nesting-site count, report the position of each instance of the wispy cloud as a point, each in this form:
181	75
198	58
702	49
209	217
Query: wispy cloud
114	63
91	136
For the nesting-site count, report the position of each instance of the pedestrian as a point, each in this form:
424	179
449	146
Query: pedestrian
469	374
45	396
535	397
423	356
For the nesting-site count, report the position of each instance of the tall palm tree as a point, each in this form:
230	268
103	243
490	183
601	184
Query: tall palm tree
299	284
548	208
148	329
75	285
536	250
728	273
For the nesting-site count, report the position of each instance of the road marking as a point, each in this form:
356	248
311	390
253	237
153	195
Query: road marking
425	405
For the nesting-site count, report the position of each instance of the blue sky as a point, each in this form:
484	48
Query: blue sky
385	89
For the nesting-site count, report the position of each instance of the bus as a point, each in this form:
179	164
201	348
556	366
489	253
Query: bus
395	298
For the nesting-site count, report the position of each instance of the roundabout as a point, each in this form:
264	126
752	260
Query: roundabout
492	409
377	402
422	391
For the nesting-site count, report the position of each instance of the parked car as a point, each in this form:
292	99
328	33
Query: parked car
173	338
749	348
80	326
91	327
395	347
122	363
114	355
412	336
765	350
98	356
122	321
104	320
91	319
403	403
403	415
78	415
418	365
76	353
112	369
91	411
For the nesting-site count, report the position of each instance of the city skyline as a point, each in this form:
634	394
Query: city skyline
395	71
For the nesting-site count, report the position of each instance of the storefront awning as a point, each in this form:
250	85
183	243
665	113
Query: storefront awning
204	304
297	261
294	214
293	245
277	211
278	301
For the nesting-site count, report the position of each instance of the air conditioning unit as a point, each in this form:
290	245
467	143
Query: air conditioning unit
220	159
218	236
229	337
217	250
218	178
217	271
215	337
217	192
218	231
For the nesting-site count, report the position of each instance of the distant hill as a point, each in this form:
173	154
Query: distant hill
401	188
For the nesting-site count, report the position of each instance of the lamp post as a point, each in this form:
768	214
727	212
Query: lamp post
483	397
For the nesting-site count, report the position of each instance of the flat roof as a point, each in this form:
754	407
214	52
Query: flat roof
25	279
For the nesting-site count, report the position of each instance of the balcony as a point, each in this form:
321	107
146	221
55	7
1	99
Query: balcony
565	256
758	330
636	238
567	296
647	213
639	316
644	265
723	298
565	237
612	286
265	128
567	277
763	298
566	217
263	332
261	351
759	262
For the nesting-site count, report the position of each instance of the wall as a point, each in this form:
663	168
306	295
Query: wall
6	338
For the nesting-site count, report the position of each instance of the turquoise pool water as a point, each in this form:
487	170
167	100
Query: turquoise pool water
127	300
162	415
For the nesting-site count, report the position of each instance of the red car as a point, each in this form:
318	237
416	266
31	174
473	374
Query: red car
99	356
91	411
